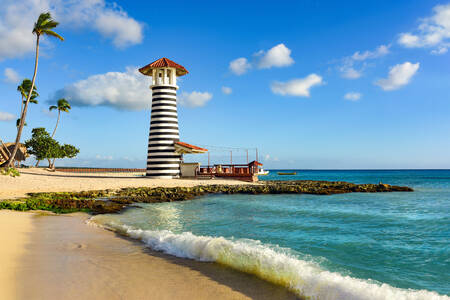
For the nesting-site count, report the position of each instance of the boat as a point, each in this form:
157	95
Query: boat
287	173
262	172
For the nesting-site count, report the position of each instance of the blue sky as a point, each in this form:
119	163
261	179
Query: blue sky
311	84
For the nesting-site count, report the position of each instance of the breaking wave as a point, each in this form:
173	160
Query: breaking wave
275	265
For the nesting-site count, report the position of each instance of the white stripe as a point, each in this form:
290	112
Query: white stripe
156	118
169	149
165	130
167	142
164	136
153	165
171	113
163	171
164	101
171	108
155	159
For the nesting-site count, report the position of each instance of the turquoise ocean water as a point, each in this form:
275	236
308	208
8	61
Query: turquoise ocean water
347	246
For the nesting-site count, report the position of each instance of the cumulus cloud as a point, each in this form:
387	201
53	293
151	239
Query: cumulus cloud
399	75
278	56
352	96
6	117
123	90
239	66
17	18
195	99
123	30
11	75
432	32
226	90
352	66
297	87
127	90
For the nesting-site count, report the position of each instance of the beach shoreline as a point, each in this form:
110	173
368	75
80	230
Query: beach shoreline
62	257
38	180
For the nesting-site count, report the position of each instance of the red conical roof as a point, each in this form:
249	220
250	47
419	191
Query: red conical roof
161	63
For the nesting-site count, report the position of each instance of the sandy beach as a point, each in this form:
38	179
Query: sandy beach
44	256
32	180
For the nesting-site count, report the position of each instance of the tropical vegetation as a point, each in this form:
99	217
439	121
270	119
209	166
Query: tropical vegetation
43	146
61	105
43	27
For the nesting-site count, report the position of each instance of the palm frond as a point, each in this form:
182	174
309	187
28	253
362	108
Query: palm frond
52	107
52	33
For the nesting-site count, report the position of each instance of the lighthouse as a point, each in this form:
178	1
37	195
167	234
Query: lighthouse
163	161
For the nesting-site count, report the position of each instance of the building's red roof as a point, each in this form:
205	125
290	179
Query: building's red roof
191	146
161	63
255	163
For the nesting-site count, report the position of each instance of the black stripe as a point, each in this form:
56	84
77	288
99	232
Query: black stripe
164	94
164	110
163	139
163	104
160	150
163	116
164	88
163	127
162	168
164	122
164	98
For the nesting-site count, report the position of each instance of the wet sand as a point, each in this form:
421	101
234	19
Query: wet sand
61	257
33	180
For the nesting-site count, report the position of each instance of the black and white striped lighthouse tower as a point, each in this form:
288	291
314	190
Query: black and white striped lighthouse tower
162	160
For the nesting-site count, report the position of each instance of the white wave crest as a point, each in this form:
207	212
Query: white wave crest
302	277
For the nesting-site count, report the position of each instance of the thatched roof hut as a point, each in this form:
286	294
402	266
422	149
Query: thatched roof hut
7	148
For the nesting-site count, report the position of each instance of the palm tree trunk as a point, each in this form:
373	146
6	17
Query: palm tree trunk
57	121
24	112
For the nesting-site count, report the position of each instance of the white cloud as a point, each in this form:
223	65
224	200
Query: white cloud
399	75
240	66
350	73
127	90
378	52
352	96
194	99
351	64
123	90
17	18
297	87
226	90
432	32
11	76
123	30
4	116
278	56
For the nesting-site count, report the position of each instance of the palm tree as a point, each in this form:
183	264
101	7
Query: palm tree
23	89
43	26
62	105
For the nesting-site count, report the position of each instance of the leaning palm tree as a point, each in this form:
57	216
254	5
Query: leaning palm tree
23	89
43	26
62	105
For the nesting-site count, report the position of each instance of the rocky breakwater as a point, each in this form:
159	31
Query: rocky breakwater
110	201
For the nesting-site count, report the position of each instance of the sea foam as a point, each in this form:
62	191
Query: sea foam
302	277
